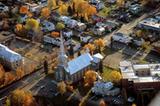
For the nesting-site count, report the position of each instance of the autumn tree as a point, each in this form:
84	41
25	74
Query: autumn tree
45	12
32	24
60	26
21	98
23	10
63	9
90	47
100	43
2	74
102	103
55	34
51	4
115	76
90	77
8	78
19	72
61	87
120	3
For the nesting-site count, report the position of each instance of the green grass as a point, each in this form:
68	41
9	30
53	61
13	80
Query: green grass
106	73
105	11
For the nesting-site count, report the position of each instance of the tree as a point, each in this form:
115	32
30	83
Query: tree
51	4
60	26
115	76
45	12
120	3
32	24
55	34
100	43
19	27
89	46
22	98
61	86
8	78
19	72
102	103
2	75
23	10
90	77
63	9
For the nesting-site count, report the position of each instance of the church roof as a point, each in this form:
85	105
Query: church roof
79	63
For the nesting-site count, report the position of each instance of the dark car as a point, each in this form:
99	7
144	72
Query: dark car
125	17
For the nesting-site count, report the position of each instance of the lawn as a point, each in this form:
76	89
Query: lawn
106	73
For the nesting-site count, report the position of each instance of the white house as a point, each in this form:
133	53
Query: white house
9	58
47	26
81	26
99	31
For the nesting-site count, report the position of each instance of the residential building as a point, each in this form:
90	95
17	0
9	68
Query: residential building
150	24
9	58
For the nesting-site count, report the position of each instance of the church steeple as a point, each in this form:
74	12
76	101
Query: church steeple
63	59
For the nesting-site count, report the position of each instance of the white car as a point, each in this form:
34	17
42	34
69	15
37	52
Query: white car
122	38
3	8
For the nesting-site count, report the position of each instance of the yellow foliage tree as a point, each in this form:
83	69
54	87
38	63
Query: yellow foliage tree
19	27
90	77
60	26
2	74
115	76
45	12
51	4
120	3
61	86
89	46
63	9
9	77
32	24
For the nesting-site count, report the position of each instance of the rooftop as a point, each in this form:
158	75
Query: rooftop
129	71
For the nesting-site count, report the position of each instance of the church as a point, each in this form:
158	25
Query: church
74	70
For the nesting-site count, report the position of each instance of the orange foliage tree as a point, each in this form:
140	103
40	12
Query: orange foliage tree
89	46
55	34
102	103
22	98
19	72
19	27
9	77
100	43
45	12
90	77
23	10
2	74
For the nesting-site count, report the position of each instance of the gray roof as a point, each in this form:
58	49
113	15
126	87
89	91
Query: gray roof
79	63
8	54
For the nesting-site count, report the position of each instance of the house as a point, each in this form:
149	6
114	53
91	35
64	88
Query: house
9	58
3	8
105	89
135	9
71	23
33	7
47	26
122	38
81	26
150	24
73	70
99	31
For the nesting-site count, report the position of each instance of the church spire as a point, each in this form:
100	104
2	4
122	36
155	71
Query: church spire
63	59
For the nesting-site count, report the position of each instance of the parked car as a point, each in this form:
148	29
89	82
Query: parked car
125	17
